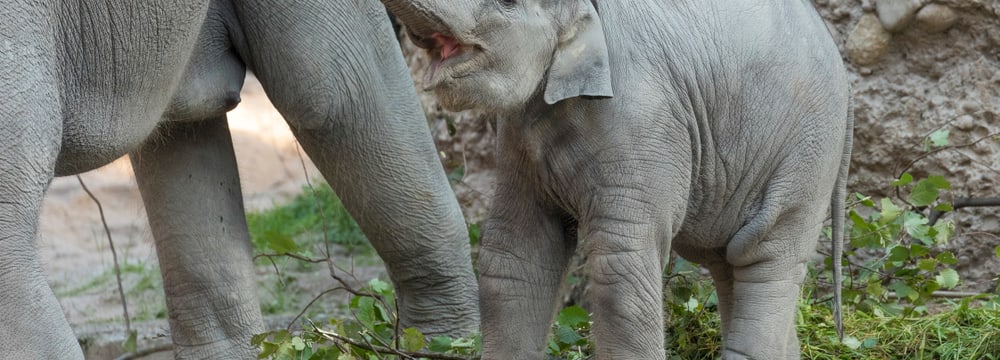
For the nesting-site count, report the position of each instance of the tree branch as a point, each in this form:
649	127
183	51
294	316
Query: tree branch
412	355
963	202
114	254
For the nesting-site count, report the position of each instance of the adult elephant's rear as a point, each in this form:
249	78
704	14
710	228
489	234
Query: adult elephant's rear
82	83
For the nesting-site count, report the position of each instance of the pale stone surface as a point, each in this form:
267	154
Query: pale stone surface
868	42
897	14
935	18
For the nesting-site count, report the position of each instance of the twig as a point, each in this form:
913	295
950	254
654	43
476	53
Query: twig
963	202
332	336
114	254
943	294
319	205
291	255
940	149
310	304
145	352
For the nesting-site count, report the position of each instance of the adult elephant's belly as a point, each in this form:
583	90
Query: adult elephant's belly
119	65
100	126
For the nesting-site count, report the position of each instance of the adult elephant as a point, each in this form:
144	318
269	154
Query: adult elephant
85	82
726	138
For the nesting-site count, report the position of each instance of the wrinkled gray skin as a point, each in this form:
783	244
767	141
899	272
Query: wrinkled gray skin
84	82
717	128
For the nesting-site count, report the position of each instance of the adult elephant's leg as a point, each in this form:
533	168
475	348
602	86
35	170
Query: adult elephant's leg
335	72
32	325
188	180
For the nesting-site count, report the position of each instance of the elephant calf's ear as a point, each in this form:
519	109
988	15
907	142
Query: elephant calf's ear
580	65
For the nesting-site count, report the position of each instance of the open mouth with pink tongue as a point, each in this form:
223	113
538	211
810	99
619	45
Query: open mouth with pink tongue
443	47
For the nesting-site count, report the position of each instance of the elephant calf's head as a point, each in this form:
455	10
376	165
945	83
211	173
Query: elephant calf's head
499	54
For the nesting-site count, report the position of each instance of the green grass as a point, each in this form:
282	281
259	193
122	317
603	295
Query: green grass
297	226
142	284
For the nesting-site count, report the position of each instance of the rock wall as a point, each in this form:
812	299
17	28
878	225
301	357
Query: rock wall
916	66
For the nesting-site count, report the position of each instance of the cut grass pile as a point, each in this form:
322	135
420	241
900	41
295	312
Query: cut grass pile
966	329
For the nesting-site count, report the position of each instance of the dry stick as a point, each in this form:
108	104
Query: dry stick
114	254
336	338
146	352
940	149
311	302
935	151
943	294
963	202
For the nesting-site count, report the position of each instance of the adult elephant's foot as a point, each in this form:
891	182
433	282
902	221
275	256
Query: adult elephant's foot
32	325
444	301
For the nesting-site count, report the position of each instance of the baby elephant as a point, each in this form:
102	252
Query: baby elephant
727	137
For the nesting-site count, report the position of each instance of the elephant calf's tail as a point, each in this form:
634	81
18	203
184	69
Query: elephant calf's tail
837	211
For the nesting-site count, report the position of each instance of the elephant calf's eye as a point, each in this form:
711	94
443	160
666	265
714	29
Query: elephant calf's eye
508	3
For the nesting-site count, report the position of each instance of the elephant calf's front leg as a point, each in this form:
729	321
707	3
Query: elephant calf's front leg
625	293
522	262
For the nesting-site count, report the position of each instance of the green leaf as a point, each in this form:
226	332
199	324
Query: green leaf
946	258
298	344
365	307
944	207
904	291
945	229
573	316
927	264
463	343
916	225
889	211
918	251
380	287
939	138
130	343
474	234
691	305
567	336
926	190
874	289
267	349
413	340
948	278
997	251
440	344
851	342
866	201
904	179
280	243
898	254
256	340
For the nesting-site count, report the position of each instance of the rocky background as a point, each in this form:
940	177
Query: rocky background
917	66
